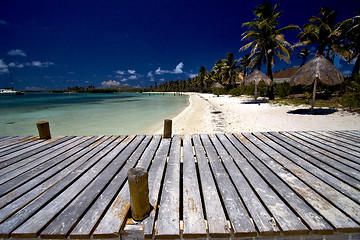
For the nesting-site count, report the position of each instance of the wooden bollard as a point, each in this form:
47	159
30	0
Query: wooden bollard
139	193
44	129
167	128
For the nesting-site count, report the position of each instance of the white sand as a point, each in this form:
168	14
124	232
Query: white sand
210	114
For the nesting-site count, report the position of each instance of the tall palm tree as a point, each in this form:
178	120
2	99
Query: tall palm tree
324	32
245	62
201	76
267	39
217	69
230	69
353	44
227	69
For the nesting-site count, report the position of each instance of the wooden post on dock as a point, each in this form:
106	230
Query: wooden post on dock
44	129
139	193
167	128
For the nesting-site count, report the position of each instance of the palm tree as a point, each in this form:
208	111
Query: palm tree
324	32
353	44
201	76
225	70
245	62
215	73
229	69
267	39
304	54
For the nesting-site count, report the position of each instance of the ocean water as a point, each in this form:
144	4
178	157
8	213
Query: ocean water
87	114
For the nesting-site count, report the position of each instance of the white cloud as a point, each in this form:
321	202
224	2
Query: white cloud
151	76
20	65
178	68
3	67
159	71
39	64
119	72
36	64
192	75
162	79
17	52
132	71
110	83
132	77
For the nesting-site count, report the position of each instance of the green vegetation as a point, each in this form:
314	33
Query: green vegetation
266	42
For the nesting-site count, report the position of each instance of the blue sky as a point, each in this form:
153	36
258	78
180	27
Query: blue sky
60	43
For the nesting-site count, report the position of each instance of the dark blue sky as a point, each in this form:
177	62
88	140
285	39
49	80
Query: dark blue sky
60	43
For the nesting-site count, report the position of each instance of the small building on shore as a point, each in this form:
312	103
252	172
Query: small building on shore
284	75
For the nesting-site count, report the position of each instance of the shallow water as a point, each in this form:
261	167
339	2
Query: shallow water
87	114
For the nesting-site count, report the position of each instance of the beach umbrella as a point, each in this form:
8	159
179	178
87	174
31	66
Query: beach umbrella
217	86
256	77
318	69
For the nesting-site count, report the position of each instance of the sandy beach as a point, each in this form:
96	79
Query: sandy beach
208	113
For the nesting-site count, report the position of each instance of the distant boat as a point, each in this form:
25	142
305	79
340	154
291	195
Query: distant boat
7	91
11	90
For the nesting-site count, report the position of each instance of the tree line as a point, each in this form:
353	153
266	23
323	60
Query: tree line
266	43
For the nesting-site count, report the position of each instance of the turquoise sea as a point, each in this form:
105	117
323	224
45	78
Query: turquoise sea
87	113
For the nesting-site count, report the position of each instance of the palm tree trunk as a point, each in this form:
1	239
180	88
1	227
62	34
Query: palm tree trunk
255	95
269	73
356	68
313	99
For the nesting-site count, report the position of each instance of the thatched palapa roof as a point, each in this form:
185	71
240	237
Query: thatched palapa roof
318	68
256	77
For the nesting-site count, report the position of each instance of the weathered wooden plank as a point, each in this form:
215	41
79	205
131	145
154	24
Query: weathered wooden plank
339	143
347	205
156	175
5	141
42	182
304	169
115	216
5	138
193	217
14	146
341	137
87	223
16	175
22	208
31	153
33	226
242	155
351	167
258	212
168	221
61	226
330	148
342	171
214	213
351	134
283	215
332	214
239	218
15	142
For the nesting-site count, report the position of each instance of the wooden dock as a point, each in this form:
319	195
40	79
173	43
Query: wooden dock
264	185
